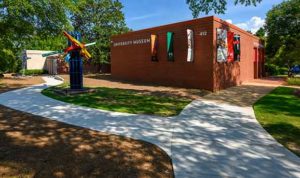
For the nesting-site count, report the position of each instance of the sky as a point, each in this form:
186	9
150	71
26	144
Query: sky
142	14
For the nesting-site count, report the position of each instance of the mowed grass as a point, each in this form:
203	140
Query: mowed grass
294	81
279	113
126	101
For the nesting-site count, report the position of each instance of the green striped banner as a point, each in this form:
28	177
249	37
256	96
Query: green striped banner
170	46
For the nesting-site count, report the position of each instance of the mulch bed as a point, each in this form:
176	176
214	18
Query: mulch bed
10	82
70	92
32	146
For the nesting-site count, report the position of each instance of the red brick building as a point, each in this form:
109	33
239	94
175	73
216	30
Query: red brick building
191	54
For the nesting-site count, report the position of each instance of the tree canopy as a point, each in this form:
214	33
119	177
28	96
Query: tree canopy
26	24
217	6
22	20
283	33
261	33
99	20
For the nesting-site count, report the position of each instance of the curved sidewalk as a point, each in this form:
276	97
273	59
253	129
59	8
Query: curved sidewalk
208	139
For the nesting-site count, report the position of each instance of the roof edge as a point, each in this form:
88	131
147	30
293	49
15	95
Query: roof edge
213	17
170	24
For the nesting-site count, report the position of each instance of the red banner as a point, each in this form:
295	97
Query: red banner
230	57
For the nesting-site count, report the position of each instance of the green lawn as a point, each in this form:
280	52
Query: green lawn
127	101
294	81
279	113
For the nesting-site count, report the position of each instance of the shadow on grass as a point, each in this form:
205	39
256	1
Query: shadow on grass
128	101
165	90
286	134
280	101
279	114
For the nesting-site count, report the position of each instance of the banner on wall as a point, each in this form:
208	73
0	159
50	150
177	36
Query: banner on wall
237	47
170	46
190	38
230	36
222	45
154	47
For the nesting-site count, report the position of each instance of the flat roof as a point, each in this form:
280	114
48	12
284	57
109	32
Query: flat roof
214	18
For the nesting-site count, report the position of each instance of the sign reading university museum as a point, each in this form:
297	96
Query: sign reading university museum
132	42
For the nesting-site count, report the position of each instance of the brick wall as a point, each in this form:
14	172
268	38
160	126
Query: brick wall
231	74
133	61
63	67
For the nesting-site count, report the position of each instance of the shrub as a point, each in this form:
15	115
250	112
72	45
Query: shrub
294	81
8	61
33	72
283	70
273	69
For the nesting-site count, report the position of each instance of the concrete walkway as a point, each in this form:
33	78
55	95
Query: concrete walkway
210	138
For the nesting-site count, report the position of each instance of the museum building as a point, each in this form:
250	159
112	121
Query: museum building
206	53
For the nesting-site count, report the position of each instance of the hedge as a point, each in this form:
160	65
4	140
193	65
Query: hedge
294	81
33	72
272	69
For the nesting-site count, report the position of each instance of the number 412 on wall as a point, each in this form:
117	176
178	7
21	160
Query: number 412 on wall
203	33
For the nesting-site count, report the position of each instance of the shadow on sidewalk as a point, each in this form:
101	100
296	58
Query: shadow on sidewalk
244	95
37	147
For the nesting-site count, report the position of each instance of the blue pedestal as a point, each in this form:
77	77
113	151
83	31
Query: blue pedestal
76	71
76	76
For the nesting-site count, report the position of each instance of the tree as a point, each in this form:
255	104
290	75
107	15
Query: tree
50	43
218	6
22	20
27	18
98	20
261	33
283	39
38	24
249	31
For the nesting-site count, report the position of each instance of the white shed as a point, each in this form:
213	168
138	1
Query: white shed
35	59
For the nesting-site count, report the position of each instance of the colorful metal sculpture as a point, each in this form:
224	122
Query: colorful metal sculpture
73	53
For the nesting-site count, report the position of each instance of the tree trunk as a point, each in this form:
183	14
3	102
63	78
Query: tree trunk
290	73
